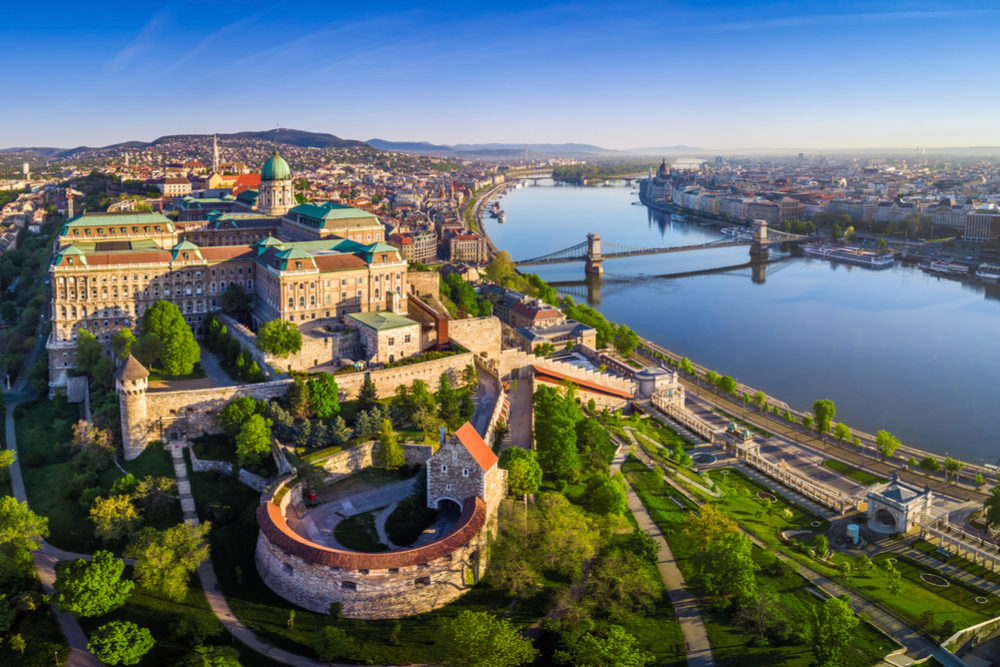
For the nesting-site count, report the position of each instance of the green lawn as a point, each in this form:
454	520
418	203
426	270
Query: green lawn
956	602
743	504
234	545
358	533
663	456
859	476
667	436
732	645
42	435
405	524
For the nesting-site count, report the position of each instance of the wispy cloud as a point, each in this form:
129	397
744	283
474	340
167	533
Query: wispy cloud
144	41
820	19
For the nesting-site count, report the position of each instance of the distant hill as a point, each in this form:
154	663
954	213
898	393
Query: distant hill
493	149
39	150
658	150
294	137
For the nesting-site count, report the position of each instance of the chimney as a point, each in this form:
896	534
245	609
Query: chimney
444	434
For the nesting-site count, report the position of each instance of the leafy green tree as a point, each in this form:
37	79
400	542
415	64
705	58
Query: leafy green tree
8	311
991	509
235	301
824	410
89	352
323	395
952	468
894	580
17	642
594	445
626	341
122	343
179	351
254	374
165	559
979	477
279	337
622	586
616	648
641	544
194	629
298	398
448	404
21	530
708	526
930	463
842	432
466	407
555	432
368	396
470	378
120	642
91	588
389	454
727	385
835	629
147	349
606	496
727	568
114	517
524	475
807	422
7	458
211	656
237	412
254	441
822	546
501	268
759	400
331	643
481	639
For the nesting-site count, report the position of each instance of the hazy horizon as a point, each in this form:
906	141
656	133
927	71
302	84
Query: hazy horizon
717	75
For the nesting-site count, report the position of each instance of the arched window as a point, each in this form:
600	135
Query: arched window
291	302
312	300
302	302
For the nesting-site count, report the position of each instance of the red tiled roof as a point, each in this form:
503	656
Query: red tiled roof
274	527
128	258
339	262
475	445
535	313
228	252
552	377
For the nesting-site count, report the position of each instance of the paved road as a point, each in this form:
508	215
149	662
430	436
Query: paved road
520	414
685	606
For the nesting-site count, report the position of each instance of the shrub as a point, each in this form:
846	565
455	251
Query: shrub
219	513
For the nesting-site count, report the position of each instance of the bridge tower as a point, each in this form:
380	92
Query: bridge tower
594	260
759	247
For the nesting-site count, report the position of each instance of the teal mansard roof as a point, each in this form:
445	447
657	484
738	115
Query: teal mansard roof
275	169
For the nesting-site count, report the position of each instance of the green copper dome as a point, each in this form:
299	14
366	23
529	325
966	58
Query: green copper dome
275	169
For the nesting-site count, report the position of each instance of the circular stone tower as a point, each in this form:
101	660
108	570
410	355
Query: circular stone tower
131	383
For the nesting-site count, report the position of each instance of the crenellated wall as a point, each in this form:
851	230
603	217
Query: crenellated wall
511	359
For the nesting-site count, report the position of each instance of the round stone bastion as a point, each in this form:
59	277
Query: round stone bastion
370	585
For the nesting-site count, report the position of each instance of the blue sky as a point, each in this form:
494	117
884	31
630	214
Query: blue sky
617	74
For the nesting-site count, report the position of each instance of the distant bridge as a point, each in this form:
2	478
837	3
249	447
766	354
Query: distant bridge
590	251
537	175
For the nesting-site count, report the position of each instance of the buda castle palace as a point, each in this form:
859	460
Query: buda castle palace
298	263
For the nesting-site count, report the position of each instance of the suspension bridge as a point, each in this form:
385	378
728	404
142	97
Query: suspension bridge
593	252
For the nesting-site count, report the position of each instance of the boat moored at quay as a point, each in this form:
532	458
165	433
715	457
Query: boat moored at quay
943	268
870	258
988	273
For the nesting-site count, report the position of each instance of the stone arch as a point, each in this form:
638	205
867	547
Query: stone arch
448	503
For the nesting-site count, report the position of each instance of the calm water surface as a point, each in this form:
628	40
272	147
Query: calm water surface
894	349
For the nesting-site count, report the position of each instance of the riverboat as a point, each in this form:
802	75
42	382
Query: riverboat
944	268
501	217
677	217
735	231
870	258
988	273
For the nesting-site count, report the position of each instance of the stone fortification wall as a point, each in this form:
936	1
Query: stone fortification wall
358	458
319	346
424	282
255	482
501	408
511	359
481	335
184	415
386	380
370	586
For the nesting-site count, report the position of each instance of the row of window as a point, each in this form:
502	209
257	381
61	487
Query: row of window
177	275
180	290
113	231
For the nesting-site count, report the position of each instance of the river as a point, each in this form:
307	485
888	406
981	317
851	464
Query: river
895	349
